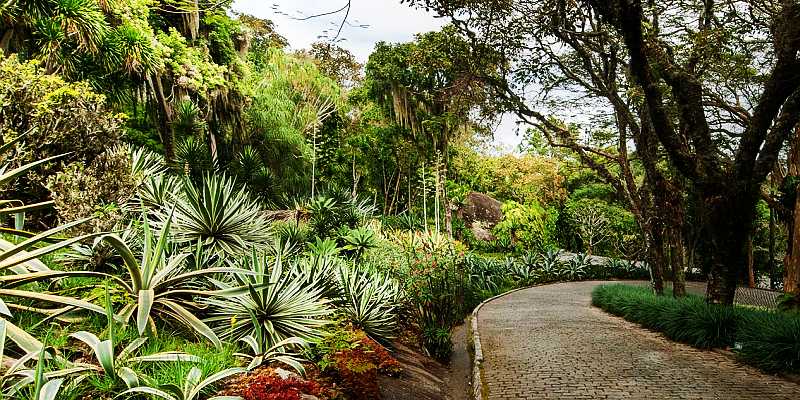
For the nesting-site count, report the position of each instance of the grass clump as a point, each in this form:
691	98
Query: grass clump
769	340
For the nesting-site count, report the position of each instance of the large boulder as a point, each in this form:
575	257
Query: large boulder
481	213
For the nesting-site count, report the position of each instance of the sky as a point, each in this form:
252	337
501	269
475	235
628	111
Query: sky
387	20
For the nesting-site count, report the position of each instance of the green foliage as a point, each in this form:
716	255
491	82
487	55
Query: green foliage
58	117
360	240
770	341
528	227
369	300
159	283
765	339
192	66
275	302
222	218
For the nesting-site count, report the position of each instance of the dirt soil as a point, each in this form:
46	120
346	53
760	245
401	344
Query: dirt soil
426	379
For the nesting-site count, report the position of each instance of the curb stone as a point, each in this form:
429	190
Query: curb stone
478	392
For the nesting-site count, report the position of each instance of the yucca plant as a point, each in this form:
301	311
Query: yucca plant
324	221
222	218
369	299
193	386
160	283
193	158
282	305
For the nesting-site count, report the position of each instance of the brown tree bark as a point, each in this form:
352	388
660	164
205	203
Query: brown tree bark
677	257
791	271
167	134
657	259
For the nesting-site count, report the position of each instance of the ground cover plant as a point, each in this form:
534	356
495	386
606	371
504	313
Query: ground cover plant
769	340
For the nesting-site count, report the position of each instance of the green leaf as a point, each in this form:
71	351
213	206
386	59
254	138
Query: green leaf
214	378
147	390
50	389
145	304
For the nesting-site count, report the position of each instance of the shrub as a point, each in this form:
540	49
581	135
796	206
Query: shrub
61	117
529	227
78	191
265	387
369	300
765	339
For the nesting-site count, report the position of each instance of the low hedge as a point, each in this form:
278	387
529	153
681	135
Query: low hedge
765	339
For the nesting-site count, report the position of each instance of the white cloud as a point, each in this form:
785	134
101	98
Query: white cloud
388	21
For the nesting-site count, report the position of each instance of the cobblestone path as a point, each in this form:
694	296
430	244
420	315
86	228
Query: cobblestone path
548	342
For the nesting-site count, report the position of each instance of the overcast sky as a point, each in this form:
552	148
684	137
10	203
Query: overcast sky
388	21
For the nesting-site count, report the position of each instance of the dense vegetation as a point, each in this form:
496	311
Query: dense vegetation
190	209
767	340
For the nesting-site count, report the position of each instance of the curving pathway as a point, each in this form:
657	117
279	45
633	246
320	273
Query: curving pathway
548	342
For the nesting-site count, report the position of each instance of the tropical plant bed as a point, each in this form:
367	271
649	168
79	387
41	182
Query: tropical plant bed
768	340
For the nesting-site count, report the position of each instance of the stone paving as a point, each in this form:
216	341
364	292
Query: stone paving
548	342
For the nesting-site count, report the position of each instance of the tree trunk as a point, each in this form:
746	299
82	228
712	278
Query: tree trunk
677	259
5	41
167	135
771	248
730	221
657	259
448	211
791	273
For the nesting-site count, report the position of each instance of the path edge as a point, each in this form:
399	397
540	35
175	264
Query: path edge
479	391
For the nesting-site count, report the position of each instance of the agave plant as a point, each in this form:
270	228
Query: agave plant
19	381
261	349
360	240
19	263
193	385
369	299
486	275
282	305
113	364
221	217
46	386
99	255
576	269
145	163
526	270
161	284
317	269
549	265
156	192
